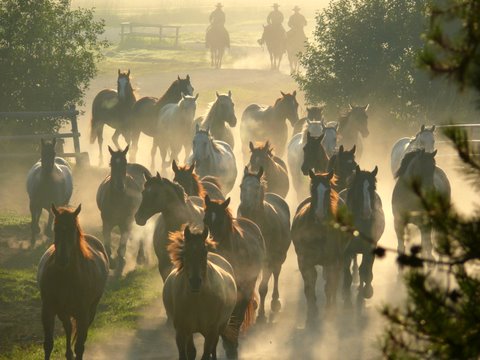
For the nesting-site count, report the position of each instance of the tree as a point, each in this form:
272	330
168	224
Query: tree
48	54
441	316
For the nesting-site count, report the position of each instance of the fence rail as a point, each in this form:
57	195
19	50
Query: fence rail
131	30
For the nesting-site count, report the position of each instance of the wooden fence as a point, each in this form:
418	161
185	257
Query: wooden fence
130	30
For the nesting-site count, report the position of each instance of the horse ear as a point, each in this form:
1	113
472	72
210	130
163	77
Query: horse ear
178	77
422	128
77	210
125	151
330	175
251	146
158	175
128	73
336	126
357	168
350	106
226	203
283	94
197	128
216	93
311	173
260	173
188	77
196	96
308	121
433	128
55	210
174	166
110	150
207	200
186	232
183	95
366	107
147	176
375	171
354	148
229	93
322	135
294	93
267	145
119	72
192	168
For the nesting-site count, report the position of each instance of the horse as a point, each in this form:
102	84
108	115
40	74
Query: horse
199	294
343	165
263	123
351	125
276	173
220	112
118	198
145	111
217	40
424	139
241	243
314	113
295	45
364	207
168	198
48	181
174	129
272	215
213	158
276	41
418	168
193	185
318	242
71	275
114	108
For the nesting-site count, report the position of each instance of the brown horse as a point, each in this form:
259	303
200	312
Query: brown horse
343	165
199	294
272	215
241	243
351	125
263	123
118	198
168	198
146	110
193	185
71	276
113	108
276	174
318	242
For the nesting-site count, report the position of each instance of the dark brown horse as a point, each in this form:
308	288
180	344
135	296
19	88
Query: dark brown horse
351	125
314	155
118	198
168	198
113	108
272	215
343	165
318	242
241	243
71	276
146	110
193	185
276	174
263	123
48	181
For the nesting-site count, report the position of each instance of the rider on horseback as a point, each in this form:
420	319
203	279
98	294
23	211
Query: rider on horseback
297	21
274	21
217	24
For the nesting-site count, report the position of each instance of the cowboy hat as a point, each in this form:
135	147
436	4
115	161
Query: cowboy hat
219	5
275	5
296	8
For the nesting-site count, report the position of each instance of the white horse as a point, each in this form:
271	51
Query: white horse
298	141
174	129
424	139
213	158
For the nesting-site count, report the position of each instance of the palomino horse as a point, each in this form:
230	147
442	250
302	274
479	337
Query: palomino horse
351	125
213	158
199	294
263	123
272	215
71	276
217	40
367	218
417	169
295	45
240	241
314	113
48	181
145	111
113	108
276	41
343	165
424	139
276	174
220	112
168	198
193	185
118	198
174	129
318	242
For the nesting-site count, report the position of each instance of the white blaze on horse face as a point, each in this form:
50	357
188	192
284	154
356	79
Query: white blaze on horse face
329	141
122	87
201	147
367	203
315	128
320	209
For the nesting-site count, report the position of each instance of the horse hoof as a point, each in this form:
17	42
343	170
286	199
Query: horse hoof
275	305
231	350
367	291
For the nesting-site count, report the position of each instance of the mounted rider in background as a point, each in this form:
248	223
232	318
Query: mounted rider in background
274	23
297	22
217	24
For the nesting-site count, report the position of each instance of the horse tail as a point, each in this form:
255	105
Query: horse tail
249	317
93	132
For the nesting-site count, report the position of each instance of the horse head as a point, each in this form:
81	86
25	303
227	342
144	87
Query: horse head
288	107
226	107
361	192
195	251
202	144
358	119
68	235
314	155
345	163
218	216
48	154
261	156
315	113
118	165
252	188
330	139
123	83
323	197
425	138
185	176
184	85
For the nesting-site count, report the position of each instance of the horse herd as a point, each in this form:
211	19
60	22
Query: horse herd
210	260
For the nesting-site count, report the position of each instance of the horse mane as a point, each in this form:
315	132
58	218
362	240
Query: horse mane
82	242
334	197
214	145
179	190
407	159
196	181
170	89
210	112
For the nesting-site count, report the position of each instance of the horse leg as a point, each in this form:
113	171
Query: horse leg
400	231
67	326
262	290
309	275
125	231
230	343
163	149
347	279
331	283
366	275
135	135
355	278
48	322
107	239
115	137
82	329
49	226
100	144
181	345
426	235
35	212
190	348
210	344
153	152
276	305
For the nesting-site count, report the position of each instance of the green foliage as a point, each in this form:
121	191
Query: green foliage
48	54
365	51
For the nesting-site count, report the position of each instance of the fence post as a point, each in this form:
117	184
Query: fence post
73	120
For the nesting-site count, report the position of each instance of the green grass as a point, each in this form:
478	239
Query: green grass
12	219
